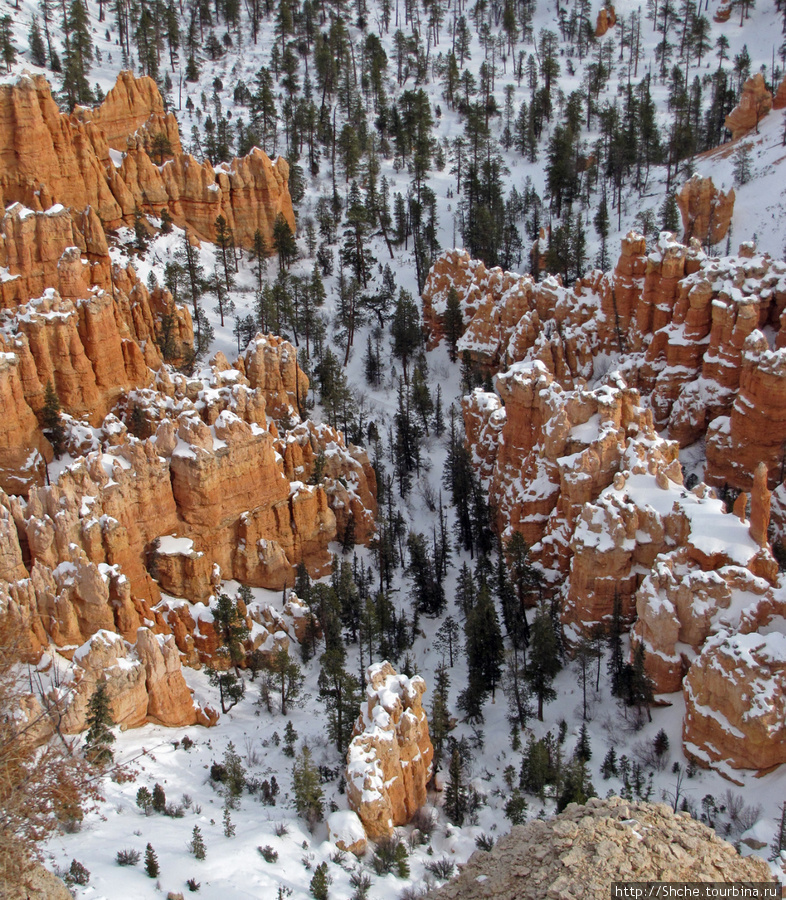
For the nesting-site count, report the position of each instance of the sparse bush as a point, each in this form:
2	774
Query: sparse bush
281	829
77	874
390	855
186	801
187	743
361	883
193	885
441	868
484	842
268	853
424	821
174	811
128	857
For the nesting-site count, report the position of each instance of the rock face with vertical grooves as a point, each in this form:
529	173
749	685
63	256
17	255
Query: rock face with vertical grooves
580	853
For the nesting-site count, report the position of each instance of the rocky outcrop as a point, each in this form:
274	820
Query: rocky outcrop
144	683
755	103
607	18
706	212
37	883
113	160
572	455
389	757
585	850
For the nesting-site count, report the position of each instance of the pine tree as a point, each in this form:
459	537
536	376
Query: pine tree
197	844
583	750
779	840
609	766
284	243
99	737
320	882
52	421
543	663
670	214
341	692
742	164
152	869
439	720
456	795
229	827
452	323
78	55
36	42
7	46
306	788
144	800
159	798
290	737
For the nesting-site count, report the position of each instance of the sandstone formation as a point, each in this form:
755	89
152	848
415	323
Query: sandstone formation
755	103
570	448
706	212
583	851
38	884
607	18
389	757
111	160
144	683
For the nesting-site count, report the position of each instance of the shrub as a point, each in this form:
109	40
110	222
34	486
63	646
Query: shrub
187	743
268	853
77	873
128	857
361	883
173	811
484	842
390	854
281	829
441	868
193	885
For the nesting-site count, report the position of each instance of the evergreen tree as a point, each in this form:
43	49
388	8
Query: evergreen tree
779	840
601	223
51	420
231	630
320	882
36	43
576	787
742	164
99	737
452	323
7	45
284	243
543	663
290	737
152	869
456	794
306	788
616	660
288	677
439	719
609	766
341	692
197	843
78	55
583	749
446	639
229	827
159	798
670	214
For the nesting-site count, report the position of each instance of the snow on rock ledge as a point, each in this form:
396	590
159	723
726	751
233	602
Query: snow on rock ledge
389	758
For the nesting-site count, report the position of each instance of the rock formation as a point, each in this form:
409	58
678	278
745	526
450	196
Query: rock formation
706	212
755	103
607	18
572	455
583	851
113	160
389	757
